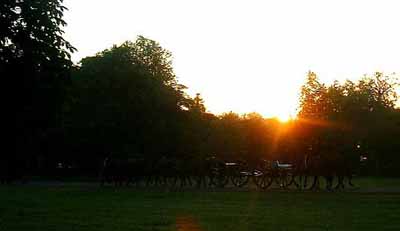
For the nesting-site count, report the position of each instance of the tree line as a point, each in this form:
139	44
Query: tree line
126	101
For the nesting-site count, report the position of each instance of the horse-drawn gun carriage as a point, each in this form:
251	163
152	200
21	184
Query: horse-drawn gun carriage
218	173
223	172
264	175
274	171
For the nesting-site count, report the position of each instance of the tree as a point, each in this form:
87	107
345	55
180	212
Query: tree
126	100
381	89
379	124
35	55
153	58
313	104
198	104
314	112
352	117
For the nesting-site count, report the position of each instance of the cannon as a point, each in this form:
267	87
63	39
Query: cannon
223	172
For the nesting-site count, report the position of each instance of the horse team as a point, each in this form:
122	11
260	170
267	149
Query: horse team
307	173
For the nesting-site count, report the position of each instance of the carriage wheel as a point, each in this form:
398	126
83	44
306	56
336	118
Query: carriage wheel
219	180
263	181
240	179
218	175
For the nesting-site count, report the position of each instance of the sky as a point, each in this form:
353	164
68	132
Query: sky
248	56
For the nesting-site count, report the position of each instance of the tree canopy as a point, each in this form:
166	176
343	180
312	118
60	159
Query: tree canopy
35	55
353	115
127	99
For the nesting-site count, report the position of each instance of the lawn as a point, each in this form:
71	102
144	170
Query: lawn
88	207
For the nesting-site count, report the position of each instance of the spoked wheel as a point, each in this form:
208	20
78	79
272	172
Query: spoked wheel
263	180
220	181
240	179
219	178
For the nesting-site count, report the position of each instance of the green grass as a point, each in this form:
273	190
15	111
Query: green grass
77	207
378	183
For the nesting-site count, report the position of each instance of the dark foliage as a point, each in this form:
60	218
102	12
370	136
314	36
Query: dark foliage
36	57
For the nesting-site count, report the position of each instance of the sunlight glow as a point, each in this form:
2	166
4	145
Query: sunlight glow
247	56
284	118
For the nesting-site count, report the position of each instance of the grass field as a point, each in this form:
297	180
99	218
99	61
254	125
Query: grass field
88	207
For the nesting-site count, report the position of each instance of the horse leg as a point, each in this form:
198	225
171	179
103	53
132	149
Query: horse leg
159	180
185	180
156	180
314	184
329	181
340	183
129	180
102	180
198	181
149	180
120	181
190	181
318	185
301	183
350	177
210	180
305	182
204	180
164	180
182	181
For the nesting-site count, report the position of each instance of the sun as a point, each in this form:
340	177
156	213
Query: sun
284	118
279	112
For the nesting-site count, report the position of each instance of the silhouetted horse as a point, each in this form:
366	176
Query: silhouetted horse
123	170
163	171
152	172
330	165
